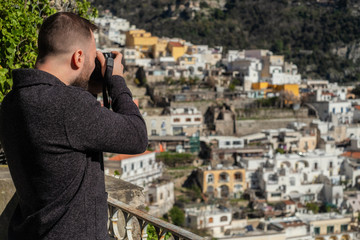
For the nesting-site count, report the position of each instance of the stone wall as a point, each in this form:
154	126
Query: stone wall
246	127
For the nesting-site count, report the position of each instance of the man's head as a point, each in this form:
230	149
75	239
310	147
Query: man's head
67	41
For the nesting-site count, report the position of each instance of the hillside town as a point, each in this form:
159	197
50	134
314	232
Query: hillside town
238	140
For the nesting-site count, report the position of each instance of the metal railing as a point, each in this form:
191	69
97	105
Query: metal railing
127	222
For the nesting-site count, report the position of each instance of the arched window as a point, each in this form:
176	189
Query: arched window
238	176
223	219
210	178
224	177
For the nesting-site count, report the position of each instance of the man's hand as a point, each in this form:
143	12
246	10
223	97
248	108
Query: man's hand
118	67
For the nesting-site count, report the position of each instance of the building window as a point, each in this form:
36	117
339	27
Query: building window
210	178
197	119
317	230
223	219
292	181
132	166
227	143
330	229
124	168
276	195
161	196
315	166
236	143
344	228
333	110
238	176
141	164
153	132
224	177
153	123
188	120
176	119
211	220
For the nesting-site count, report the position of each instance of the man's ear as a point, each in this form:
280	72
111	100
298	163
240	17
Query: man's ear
78	59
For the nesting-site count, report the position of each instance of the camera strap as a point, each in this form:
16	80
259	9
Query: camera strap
107	77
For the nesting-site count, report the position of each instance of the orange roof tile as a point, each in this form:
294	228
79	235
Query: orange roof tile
354	155
120	157
357	107
289	202
175	44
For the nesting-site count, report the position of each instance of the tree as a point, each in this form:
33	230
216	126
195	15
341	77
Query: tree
177	216
140	77
19	23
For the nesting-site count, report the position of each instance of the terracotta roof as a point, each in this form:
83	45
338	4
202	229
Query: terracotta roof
357	107
175	44
121	157
289	202
354	155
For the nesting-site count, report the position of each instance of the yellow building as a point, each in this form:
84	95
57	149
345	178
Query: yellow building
176	49
332	228
260	85
187	60
290	88
159	49
223	183
140	40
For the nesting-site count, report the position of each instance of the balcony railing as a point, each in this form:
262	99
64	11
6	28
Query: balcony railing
127	222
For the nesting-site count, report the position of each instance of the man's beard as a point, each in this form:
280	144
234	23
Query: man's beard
83	79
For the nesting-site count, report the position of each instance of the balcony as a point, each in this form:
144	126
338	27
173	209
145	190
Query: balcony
127	222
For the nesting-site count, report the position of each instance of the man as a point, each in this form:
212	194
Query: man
54	132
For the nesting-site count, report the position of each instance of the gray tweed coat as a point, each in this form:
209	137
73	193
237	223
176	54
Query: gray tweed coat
53	136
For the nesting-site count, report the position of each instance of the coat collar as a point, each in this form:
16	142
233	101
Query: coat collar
29	77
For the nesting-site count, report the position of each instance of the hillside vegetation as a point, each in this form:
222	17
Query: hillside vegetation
322	39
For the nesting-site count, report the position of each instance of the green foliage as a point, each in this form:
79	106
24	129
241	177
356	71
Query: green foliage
177	216
314	207
280	150
152	233
175	159
19	23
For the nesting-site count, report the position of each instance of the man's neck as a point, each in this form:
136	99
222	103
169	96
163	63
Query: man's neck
55	69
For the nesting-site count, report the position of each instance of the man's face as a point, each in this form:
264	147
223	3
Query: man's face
89	65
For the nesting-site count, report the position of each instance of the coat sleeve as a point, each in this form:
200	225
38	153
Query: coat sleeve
90	127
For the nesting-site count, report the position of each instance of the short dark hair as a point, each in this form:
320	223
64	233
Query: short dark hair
60	31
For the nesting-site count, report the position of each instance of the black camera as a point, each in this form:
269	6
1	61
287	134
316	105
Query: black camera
96	75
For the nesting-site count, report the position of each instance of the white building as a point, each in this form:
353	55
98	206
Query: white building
249	70
336	112
225	142
160	197
303	177
216	220
139	169
281	78
158	125
114	28
186	120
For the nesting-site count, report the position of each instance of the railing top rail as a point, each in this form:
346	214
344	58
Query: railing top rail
178	231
